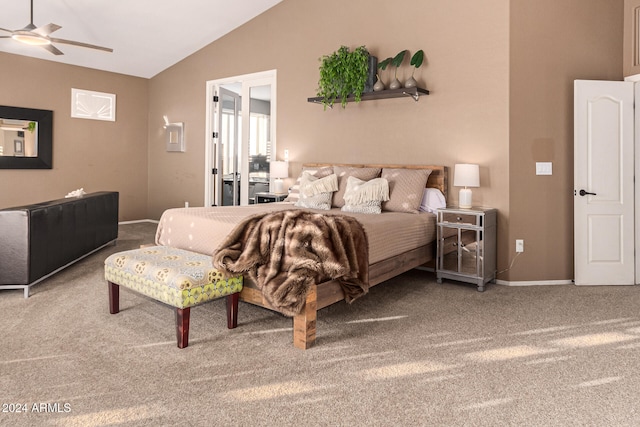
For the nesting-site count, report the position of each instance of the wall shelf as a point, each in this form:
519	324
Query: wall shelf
414	92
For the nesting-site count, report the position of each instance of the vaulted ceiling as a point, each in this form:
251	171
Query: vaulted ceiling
147	36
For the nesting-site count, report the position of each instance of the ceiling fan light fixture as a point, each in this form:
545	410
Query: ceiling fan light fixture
30	39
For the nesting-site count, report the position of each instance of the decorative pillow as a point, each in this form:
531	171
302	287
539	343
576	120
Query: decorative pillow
315	193
319	172
365	196
405	189
432	199
344	172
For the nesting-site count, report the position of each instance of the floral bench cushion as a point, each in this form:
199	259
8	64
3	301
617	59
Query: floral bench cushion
174	276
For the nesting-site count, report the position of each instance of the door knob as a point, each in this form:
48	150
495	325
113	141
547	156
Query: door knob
584	193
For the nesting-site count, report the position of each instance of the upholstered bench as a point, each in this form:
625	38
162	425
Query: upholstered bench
179	278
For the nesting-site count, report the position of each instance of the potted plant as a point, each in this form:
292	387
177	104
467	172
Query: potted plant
396	61
382	65
416	62
343	73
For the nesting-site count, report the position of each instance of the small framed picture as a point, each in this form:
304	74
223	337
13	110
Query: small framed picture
18	147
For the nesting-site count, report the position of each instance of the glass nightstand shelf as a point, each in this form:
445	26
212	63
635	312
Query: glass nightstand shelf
466	245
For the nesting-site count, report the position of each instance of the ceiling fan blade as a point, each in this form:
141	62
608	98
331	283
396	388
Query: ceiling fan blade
74	43
45	30
53	49
4	29
5	37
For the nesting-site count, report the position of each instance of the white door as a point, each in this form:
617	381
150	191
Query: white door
604	238
228	148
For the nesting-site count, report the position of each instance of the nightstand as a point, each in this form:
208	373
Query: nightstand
466	245
270	197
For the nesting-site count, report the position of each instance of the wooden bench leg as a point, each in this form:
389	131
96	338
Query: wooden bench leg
182	326
232	310
114	298
304	324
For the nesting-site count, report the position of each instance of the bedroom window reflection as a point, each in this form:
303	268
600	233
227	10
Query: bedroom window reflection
228	131
18	138
259	135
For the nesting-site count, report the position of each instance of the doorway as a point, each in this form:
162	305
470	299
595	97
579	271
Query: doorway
241	130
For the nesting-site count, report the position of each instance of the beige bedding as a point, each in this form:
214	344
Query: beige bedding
202	229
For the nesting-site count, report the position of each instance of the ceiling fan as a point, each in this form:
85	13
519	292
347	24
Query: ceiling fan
39	36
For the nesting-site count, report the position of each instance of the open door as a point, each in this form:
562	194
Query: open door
240	129
604	212
228	148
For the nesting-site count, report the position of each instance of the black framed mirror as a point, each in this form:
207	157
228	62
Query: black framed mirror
26	138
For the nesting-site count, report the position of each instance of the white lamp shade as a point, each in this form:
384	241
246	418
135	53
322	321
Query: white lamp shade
466	175
278	169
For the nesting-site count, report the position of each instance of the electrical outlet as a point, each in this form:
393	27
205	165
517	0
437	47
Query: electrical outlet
519	245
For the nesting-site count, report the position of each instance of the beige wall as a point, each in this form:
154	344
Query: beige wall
90	154
500	74
552	44
631	56
465	119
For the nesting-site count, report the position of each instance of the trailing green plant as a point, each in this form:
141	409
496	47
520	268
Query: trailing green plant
31	126
343	73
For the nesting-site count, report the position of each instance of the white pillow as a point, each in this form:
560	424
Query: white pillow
432	199
316	193
365	196
294	191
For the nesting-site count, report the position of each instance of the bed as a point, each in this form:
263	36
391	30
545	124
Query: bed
397	241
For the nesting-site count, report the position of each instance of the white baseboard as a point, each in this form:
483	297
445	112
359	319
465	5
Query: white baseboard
137	221
517	283
534	282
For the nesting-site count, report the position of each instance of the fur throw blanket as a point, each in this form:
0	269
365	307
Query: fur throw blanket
285	252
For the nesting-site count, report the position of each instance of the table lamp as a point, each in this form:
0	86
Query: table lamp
278	170
466	175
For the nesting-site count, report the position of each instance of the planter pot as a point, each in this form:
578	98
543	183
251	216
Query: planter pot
371	75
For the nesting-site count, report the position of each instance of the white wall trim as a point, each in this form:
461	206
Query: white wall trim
534	282
516	283
138	221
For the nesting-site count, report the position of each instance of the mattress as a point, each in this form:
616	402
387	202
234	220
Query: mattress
202	229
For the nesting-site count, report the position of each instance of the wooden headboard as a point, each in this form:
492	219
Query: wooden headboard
437	179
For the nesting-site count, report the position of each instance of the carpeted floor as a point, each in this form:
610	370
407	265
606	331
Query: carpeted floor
411	353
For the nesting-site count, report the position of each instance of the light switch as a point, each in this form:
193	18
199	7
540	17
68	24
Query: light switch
544	168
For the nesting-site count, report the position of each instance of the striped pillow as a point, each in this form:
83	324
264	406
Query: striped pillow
343	173
315	193
319	172
365	196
